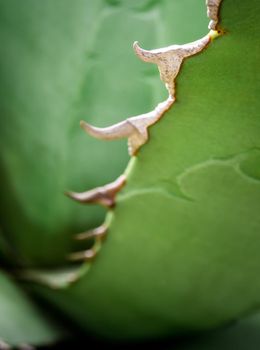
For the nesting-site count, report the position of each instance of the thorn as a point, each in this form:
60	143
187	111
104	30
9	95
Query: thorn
119	130
96	232
144	55
101	195
134	128
212	12
169	59
84	255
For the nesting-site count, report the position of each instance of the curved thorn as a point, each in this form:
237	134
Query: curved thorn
144	55
116	131
170	58
84	255
101	195
96	232
134	128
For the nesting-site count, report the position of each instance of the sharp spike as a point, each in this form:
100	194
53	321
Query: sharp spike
134	128
144	55
96	232
101	195
116	131
84	255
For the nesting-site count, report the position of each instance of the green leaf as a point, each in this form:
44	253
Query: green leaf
20	320
183	247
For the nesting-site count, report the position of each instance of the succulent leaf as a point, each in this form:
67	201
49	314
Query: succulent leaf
182	252
183	247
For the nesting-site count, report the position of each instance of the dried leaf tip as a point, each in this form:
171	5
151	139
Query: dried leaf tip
169	59
212	12
101	195
134	128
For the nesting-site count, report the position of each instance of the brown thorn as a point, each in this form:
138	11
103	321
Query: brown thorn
170	58
212	12
118	131
96	232
84	255
104	195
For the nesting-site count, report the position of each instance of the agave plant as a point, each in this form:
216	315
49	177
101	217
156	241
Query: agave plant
166	244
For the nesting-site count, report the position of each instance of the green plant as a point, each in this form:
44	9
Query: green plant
190	205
